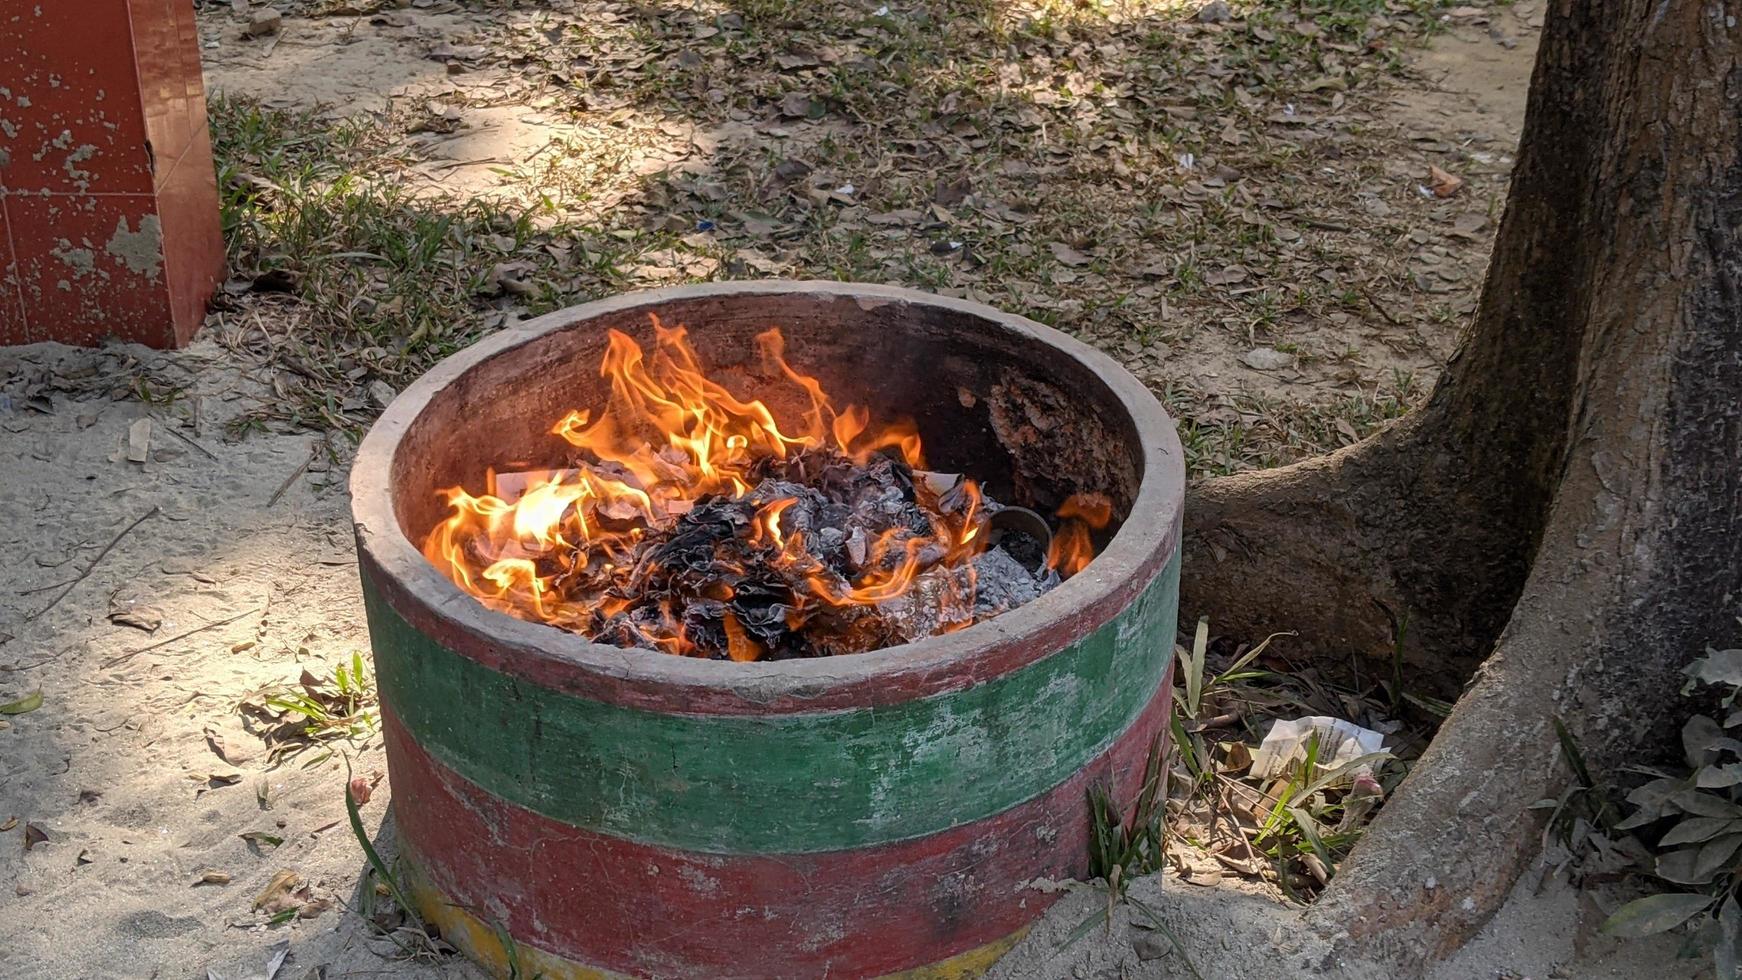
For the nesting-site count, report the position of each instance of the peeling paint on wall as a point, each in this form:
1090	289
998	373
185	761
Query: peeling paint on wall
103	243
80	260
140	251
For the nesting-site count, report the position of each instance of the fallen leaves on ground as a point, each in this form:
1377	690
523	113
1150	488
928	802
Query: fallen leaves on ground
260	839
1238	177
281	892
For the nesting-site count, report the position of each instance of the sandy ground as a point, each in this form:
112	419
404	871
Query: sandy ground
136	776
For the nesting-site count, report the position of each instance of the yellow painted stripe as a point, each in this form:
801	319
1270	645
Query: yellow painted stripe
502	957
964	966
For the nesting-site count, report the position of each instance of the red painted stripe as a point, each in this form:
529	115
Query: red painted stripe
648	911
899	683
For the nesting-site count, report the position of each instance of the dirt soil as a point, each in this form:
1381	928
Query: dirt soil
1243	210
129	797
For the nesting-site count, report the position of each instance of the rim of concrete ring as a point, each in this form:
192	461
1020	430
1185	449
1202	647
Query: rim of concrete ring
1137	551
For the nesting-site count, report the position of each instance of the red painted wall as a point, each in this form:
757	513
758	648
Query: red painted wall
108	203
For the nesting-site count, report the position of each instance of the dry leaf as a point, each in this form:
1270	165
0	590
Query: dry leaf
1229	276
212	876
230	748
281	893
8	825
510	277
33	835
1067	255
1236	757
953	193
30	702
798	105
147	618
1441	183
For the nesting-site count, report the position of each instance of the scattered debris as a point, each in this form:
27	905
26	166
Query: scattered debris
1287	810
276	956
27	703
1266	215
91	566
286	891
1441	183
129	655
315	712
314	449
1068	255
229	746
258	839
140	617
381	394
139	441
1339	742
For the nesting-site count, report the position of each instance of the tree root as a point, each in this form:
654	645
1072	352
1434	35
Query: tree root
1366	552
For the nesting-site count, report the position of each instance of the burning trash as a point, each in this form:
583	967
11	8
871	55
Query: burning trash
688	521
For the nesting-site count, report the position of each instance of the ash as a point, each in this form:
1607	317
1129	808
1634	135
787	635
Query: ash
823	556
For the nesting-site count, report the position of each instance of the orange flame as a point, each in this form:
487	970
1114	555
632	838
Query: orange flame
560	546
1072	545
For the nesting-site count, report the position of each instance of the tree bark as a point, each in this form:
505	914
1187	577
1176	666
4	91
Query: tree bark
1570	497
1430	527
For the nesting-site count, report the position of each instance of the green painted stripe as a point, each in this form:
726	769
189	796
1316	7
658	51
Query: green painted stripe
736	784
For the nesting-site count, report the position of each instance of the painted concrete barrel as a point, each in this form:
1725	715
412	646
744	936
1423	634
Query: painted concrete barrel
572	809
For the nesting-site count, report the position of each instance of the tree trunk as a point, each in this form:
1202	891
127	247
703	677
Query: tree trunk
1566	510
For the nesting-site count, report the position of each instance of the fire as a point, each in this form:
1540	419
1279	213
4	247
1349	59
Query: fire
1072	548
572	546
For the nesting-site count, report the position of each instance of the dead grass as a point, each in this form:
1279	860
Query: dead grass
1181	194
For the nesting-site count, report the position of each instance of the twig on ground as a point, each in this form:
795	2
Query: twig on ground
313	448
129	655
1379	308
1226	719
92	565
203	450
